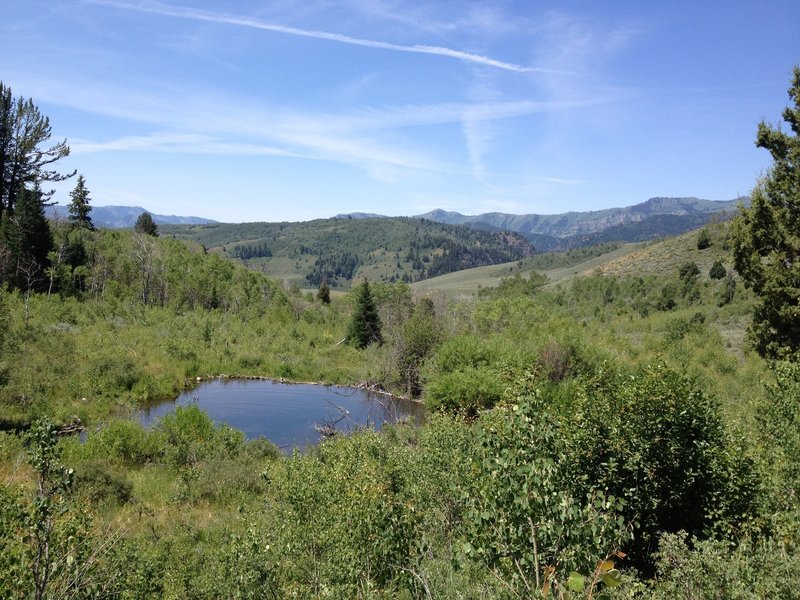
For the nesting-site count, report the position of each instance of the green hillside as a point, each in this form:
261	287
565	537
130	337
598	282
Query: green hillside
343	250
662	257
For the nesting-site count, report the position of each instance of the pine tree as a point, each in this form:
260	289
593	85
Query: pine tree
703	239
365	324
23	162
146	225
79	208
324	292
27	240
766	246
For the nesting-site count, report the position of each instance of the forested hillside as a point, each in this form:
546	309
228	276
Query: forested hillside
340	251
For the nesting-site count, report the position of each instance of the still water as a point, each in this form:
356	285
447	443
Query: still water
290	415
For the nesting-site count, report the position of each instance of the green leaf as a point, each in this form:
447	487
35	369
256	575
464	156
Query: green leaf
576	582
612	578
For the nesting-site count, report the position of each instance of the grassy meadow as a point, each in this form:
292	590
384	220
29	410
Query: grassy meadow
598	427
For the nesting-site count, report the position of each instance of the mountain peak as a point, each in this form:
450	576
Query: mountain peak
122	217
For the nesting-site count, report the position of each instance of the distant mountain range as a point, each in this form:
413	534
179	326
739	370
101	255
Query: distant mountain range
655	218
121	217
652	219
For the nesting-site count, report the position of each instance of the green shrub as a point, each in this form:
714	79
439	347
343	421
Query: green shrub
99	484
190	436
680	327
717	270
343	521
695	568
779	419
114	374
703	239
463	351
467	389
123	441
529	523
655	440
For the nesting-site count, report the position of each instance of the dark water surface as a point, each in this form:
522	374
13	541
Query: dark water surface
286	413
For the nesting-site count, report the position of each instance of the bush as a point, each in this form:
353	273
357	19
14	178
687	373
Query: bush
658	442
779	418
468	389
123	441
342	520
464	351
715	569
717	270
680	327
100	484
528	519
190	436
703	239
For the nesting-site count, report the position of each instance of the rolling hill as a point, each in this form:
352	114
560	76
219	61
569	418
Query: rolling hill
662	257
341	250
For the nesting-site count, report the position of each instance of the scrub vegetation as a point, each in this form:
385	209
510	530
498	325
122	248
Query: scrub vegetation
612	434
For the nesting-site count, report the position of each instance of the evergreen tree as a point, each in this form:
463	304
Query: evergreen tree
27	240
717	270
324	292
365	324
703	239
146	225
766	246
79	208
22	161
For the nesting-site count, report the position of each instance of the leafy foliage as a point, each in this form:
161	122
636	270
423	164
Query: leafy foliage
780	422
324	293
45	537
529	523
703	239
691	568
657	442
717	270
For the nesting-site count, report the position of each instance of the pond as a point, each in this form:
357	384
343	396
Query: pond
290	415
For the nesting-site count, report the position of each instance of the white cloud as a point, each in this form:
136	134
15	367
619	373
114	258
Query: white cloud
177	143
248	127
242	21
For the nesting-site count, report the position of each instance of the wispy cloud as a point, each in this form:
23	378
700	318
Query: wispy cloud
352	137
195	14
178	143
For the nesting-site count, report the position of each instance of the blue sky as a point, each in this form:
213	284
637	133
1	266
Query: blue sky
283	110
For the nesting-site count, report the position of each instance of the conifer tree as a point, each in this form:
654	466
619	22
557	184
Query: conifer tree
79	208
145	224
23	160
27	240
766	246
324	292
365	324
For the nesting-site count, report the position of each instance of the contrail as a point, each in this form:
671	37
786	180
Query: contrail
212	17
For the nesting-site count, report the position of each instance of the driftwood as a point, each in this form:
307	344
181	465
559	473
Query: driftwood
328	429
325	430
76	426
